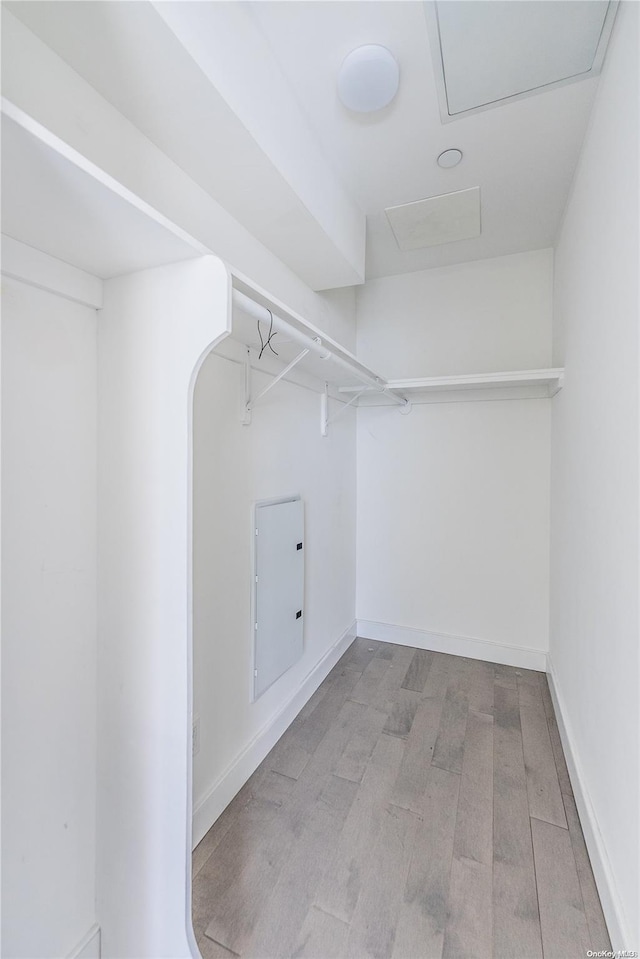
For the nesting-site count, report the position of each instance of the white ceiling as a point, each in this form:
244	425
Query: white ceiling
521	154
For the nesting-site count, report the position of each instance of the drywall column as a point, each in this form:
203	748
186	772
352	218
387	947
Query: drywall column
153	333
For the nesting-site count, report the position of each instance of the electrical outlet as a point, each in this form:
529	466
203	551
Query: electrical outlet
195	739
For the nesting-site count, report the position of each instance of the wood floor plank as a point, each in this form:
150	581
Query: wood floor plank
558	755
423	911
313	730
288	758
322	937
439	676
468	933
532	676
543	786
477	683
474	823
416	676
362	651
565	933
401	713
505	675
529	692
365	689
516	922
314	700
547	702
240	874
262	785
448	750
278	927
213	950
340	889
322	764
373	925
409	787
357	752
598	933
384	650
392	680
200	914
327	683
248	861
208	844
273	787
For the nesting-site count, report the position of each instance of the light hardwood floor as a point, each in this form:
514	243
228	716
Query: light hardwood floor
418	806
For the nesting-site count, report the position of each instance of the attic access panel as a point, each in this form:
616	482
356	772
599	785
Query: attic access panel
487	52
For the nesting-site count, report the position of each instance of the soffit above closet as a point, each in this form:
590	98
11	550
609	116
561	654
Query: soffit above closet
314	164
56	206
199	81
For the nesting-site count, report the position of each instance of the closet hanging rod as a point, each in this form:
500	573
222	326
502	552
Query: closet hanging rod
259	312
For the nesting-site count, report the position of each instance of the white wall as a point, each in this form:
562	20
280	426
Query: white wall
453	499
594	544
48	621
479	317
154	331
280	453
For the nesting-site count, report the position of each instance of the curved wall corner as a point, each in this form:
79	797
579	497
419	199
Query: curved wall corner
153	333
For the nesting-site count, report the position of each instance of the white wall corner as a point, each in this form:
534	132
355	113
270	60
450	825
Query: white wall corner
473	648
619	932
89	946
207	810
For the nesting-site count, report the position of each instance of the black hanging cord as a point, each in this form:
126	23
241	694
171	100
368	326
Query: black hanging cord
264	344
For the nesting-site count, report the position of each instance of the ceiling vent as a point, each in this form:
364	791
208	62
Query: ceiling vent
487	52
436	220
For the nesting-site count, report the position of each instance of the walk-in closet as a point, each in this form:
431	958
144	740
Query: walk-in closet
320	485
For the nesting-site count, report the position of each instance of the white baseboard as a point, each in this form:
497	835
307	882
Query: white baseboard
621	937
89	945
455	645
207	810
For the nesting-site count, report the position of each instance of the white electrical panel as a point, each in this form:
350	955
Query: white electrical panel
278	590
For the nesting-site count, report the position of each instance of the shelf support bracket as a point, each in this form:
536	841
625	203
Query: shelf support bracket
325	419
250	404
246	409
324	410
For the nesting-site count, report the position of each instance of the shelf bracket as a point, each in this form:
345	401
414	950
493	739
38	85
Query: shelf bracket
246	409
325	419
250	404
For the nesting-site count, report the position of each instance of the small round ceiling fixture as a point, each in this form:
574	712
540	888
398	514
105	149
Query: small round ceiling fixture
368	78
449	158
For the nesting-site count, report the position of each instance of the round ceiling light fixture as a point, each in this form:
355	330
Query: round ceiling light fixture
449	159
368	78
